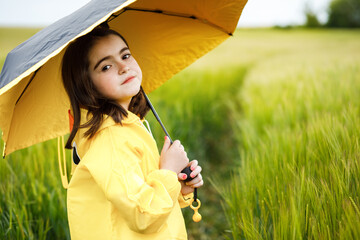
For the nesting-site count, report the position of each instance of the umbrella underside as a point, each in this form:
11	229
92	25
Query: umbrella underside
163	44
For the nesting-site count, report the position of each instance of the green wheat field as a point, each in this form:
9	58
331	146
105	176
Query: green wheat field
272	115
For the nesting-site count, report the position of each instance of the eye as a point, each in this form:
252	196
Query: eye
105	68
126	56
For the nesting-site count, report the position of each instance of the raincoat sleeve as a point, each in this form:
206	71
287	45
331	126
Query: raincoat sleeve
144	202
185	200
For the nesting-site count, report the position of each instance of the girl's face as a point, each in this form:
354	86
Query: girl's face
113	70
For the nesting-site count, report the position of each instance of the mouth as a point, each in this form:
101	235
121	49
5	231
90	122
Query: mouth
128	80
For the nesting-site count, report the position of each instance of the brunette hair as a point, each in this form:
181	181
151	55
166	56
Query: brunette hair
82	92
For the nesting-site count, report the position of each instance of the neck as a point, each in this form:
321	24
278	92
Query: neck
125	104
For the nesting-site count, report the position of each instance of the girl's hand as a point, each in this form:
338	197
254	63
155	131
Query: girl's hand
173	156
188	187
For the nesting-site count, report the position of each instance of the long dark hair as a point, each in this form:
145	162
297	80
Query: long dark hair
82	92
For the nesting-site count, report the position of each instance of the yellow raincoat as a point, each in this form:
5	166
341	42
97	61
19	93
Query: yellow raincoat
118	191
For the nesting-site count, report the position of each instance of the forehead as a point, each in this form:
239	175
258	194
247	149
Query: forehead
107	45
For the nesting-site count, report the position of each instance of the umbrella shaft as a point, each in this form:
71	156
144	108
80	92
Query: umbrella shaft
186	170
156	115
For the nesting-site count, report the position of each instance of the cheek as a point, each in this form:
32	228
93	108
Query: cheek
97	82
140	74
101	85
137	68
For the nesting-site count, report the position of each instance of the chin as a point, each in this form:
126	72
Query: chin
136	88
133	91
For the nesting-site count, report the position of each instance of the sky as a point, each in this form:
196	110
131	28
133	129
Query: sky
257	13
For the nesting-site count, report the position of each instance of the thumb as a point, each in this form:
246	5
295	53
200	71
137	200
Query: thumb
166	145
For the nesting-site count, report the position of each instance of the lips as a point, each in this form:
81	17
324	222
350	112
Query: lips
128	80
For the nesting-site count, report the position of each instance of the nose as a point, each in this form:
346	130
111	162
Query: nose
123	68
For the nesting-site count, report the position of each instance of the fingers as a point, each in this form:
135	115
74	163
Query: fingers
196	182
194	173
173	156
166	145
195	169
193	164
177	144
198	185
182	176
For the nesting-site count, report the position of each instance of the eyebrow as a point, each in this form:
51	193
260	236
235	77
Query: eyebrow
107	57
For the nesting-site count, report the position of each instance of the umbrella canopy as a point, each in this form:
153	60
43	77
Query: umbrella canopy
164	36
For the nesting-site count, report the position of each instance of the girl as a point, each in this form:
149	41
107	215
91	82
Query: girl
121	187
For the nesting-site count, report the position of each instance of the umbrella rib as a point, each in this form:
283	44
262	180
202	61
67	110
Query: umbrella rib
32	77
175	14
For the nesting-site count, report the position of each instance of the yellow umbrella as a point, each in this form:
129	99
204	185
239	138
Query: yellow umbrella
164	36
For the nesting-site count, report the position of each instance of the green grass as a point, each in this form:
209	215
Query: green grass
193	106
306	148
298	129
273	118
33	202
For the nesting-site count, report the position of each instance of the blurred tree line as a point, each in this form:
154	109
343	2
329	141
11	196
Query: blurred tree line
342	14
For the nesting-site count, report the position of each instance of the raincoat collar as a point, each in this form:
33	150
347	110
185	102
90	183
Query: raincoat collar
109	121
